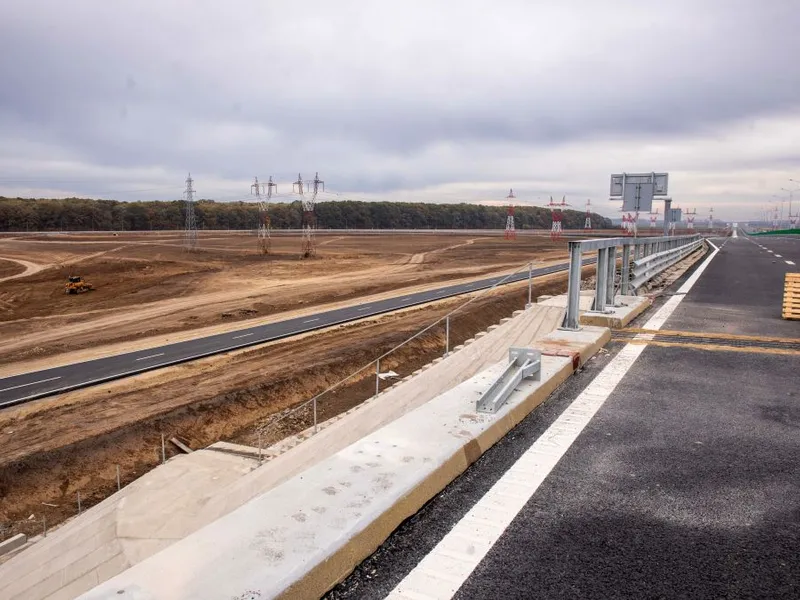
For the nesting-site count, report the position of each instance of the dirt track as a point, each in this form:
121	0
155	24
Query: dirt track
164	289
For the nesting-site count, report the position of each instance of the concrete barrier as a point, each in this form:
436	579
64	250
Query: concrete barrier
12	543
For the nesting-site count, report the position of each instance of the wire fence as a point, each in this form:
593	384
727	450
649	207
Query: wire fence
312	406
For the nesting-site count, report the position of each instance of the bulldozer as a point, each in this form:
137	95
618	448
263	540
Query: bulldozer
77	285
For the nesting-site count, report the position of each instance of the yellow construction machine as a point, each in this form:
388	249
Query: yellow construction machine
77	285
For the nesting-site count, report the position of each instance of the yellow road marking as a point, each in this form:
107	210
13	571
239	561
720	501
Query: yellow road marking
716	347
695	334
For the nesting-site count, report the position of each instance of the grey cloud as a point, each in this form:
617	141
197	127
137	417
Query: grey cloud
137	86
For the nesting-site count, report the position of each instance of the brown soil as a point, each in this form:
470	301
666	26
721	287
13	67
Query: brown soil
8	268
164	289
58	447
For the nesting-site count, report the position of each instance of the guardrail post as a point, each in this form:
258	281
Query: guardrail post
600	284
611	273
626	267
573	287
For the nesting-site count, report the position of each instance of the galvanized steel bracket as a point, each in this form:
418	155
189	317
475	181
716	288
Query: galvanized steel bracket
523	363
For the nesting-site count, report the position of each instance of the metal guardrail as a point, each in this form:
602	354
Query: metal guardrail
642	259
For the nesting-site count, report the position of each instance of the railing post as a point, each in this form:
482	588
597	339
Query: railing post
378	377
573	287
626	267
610	274
530	286
447	336
600	284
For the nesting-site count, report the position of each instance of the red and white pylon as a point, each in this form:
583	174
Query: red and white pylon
653	219
711	218
556	209
690	219
587	224
511	230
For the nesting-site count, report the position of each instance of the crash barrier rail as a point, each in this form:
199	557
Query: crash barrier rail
642	259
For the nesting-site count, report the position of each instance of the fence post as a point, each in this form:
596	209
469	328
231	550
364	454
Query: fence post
530	285
260	433
447	335
611	274
315	414
79	503
163	450
44	526
573	287
377	376
600	284
626	267
119	487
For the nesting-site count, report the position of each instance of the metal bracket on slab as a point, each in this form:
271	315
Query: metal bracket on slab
523	363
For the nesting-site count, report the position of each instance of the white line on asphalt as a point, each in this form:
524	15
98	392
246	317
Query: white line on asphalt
151	356
778	256
788	262
364	308
22	385
236	337
445	569
404	299
311	320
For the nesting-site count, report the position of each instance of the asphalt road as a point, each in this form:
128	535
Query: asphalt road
37	384
685	484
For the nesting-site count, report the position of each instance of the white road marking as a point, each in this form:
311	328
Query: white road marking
445	569
151	356
364	308
788	262
311	320
406	298
778	256
236	337
22	385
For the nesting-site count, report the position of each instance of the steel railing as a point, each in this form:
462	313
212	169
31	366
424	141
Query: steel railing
642	259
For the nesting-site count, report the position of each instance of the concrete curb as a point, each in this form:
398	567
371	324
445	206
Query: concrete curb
618	316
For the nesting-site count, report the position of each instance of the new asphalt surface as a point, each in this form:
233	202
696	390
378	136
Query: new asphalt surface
685	484
37	384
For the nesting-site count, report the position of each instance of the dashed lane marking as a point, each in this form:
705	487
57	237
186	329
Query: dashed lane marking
445	569
151	356
244	335
788	262
22	385
311	320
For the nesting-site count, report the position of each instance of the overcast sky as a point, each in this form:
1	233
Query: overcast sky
429	100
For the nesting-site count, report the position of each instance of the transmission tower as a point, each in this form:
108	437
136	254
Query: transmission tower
556	209
690	219
653	219
711	218
264	236
587	224
309	218
190	227
511	230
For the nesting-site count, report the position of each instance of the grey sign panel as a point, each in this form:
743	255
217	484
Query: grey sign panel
638	196
675	215
620	181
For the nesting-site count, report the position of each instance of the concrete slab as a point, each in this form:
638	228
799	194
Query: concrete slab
12	543
625	310
301	537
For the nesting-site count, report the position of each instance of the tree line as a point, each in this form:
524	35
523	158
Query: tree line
78	214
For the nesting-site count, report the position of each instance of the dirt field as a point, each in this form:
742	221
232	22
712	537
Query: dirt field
147	285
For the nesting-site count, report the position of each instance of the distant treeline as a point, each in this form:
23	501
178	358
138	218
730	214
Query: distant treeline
76	214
